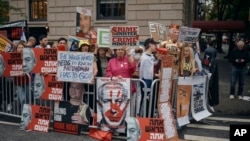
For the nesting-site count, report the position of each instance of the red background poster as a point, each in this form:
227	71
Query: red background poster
46	60
13	64
54	89
40	118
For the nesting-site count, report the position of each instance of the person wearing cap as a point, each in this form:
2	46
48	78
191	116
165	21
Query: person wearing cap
147	63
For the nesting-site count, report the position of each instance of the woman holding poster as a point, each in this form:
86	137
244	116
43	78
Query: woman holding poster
188	64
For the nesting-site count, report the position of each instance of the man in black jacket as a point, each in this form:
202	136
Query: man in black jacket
239	58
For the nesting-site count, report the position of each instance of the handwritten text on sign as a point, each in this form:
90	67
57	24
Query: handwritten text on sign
124	35
75	67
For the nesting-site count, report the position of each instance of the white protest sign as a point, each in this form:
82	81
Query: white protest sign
75	66
103	37
158	31
188	34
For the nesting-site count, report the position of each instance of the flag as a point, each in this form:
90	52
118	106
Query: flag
23	37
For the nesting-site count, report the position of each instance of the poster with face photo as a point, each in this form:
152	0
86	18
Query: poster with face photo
35	118
198	98
83	25
113	107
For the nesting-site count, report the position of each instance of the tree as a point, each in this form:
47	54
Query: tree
4	11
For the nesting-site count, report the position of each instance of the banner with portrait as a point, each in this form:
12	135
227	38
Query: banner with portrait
70	118
103	37
75	66
145	129
166	113
124	36
188	34
83	25
12	65
46	60
198	99
73	43
53	89
184	91
35	118
157	31
5	44
113	106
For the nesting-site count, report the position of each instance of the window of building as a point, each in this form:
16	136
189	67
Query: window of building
110	10
38	10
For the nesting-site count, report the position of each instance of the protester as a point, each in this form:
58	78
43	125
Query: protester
43	40
102	62
62	41
31	42
239	57
188	65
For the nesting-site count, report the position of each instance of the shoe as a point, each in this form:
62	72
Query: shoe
231	96
240	97
9	107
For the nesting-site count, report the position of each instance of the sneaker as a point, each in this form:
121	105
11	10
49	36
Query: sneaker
231	97
9	107
240	97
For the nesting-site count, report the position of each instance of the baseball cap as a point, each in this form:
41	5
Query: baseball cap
84	42
150	41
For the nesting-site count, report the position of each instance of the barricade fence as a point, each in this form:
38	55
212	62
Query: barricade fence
18	91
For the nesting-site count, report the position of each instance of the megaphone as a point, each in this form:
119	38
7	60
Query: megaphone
161	50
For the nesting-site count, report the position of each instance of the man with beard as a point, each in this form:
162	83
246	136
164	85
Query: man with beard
43	40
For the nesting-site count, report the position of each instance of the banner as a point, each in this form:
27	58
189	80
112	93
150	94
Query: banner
83	25
46	60
5	44
13	30
53	88
12	65
188	34
166	113
198	98
75	67
145	129
124	36
157	31
71	119
184	91
165	89
35	118
113	107
103	37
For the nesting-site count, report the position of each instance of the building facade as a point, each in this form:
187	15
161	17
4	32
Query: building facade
59	16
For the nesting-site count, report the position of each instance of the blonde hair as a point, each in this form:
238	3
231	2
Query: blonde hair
191	58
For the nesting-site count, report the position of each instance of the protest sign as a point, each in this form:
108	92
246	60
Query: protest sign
184	91
188	34
124	36
165	89
71	119
157	31
198	98
75	66
13	64
145	129
166	113
46	60
83	25
5	44
103	37
53	88
40	118
113	95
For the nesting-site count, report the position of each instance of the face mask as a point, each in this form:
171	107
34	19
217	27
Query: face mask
137	56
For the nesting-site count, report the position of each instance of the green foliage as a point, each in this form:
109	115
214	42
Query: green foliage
4	11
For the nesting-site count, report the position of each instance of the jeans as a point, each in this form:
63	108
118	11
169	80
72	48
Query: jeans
237	74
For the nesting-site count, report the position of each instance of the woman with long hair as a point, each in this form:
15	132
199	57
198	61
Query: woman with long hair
188	64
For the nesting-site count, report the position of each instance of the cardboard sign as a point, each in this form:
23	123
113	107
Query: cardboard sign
145	129
38	120
46	60
54	89
75	67
124	36
157	31
5	44
113	95
13	64
103	37
188	34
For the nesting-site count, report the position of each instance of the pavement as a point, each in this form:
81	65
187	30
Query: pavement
228	112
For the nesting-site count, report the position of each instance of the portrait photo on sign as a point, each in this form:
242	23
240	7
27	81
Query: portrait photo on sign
29	60
113	98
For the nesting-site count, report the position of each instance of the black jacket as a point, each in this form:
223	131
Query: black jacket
239	54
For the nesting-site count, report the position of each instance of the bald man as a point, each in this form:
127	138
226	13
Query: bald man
31	41
239	58
133	129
